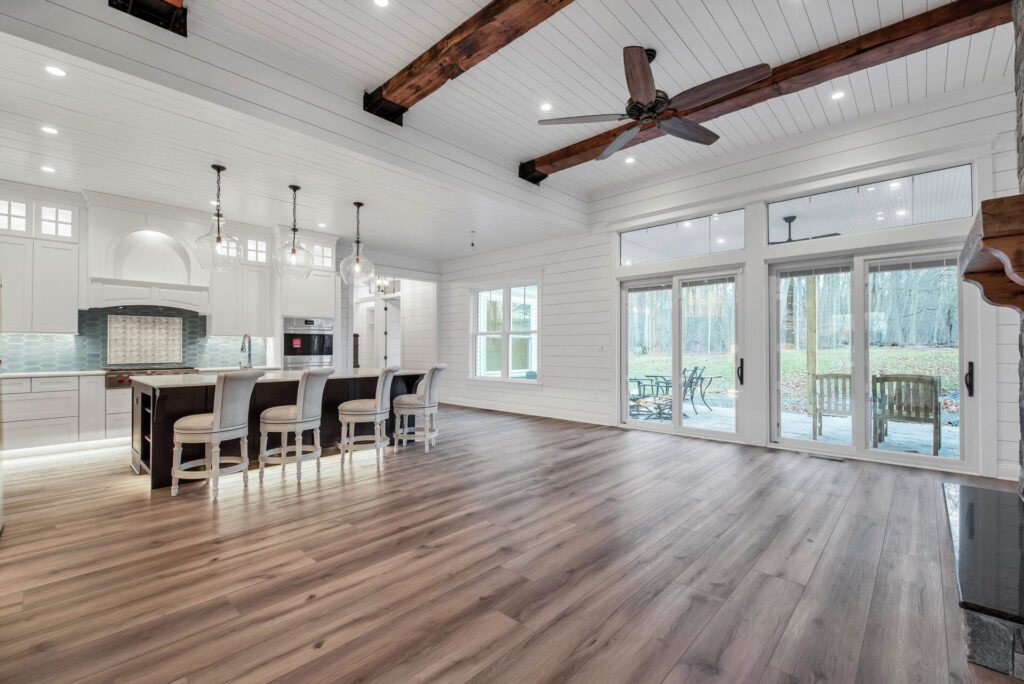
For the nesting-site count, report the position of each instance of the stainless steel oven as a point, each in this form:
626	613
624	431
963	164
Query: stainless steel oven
308	343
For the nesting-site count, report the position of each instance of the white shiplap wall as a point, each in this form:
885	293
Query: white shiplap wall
419	324
576	346
1004	182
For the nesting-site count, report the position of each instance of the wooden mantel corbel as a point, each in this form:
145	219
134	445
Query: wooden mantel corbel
993	256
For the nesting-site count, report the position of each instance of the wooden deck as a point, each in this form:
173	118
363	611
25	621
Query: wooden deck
520	549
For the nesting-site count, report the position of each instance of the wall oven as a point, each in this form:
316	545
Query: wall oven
308	343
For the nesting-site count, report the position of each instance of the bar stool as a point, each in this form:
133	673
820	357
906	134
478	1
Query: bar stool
374	411
303	415
229	420
423	407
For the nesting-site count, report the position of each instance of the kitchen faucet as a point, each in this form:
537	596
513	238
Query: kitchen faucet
246	347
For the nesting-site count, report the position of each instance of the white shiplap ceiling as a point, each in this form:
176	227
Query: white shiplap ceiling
301	58
574	62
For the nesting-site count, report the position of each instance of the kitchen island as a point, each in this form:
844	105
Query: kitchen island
159	400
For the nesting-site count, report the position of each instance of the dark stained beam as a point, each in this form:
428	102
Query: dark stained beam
938	26
480	36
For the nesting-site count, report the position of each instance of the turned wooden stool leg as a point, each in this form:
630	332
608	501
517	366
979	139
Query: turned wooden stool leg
175	465
215	478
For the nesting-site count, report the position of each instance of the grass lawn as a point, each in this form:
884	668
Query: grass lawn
942	361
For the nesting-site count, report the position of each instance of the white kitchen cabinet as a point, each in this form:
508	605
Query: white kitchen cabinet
92	410
240	303
54	287
310	298
38	405
119	425
15	284
36	433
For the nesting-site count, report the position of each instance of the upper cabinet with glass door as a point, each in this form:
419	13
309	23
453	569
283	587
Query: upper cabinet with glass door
55	221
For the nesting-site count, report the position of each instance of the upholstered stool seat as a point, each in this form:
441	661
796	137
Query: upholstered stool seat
376	411
229	420
295	419
422	406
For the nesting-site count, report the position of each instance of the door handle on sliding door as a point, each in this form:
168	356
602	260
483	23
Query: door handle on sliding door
739	372
969	379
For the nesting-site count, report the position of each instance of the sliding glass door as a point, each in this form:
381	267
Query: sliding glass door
914	356
867	356
814	364
680	353
707	353
649	345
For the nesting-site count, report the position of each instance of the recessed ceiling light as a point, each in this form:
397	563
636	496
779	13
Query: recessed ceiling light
714	217
629	160
871	189
901	212
321	225
56	71
721	241
545	107
47	169
49	129
838	95
894	185
879	218
213	203
687	224
380	3
879	212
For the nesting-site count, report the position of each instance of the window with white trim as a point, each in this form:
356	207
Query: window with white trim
228	248
323	257
55	221
13	216
505	332
256	251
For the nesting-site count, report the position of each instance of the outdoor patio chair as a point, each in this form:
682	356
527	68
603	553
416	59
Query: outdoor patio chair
691	386
832	397
906	399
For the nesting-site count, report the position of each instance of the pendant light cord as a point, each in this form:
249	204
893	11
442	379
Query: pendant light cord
295	221
219	215
358	241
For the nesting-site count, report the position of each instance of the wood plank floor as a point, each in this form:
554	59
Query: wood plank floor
520	550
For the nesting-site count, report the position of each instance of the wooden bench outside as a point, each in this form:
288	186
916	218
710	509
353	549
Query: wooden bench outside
906	399
832	397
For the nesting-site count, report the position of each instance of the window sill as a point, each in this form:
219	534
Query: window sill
530	382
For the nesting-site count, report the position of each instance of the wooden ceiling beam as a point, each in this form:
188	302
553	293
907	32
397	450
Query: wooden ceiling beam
480	36
935	27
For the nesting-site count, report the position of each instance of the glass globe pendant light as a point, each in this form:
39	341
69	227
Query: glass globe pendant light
217	250
292	260
356	269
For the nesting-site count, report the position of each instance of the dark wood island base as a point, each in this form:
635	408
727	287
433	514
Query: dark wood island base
158	401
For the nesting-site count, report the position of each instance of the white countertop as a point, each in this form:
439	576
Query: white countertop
50	374
65	374
208	379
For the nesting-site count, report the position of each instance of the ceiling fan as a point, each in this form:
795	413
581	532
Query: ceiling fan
647	104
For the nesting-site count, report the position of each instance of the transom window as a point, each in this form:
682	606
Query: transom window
55	222
256	251
505	332
13	216
323	257
691	237
893	203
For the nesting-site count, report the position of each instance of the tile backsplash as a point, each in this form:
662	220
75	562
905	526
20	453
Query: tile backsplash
37	352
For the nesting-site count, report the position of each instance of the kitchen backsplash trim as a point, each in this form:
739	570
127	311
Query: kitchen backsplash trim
38	352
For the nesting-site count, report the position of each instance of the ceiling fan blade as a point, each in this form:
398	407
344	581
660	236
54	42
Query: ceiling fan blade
687	130
639	78
720	87
589	118
621	141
